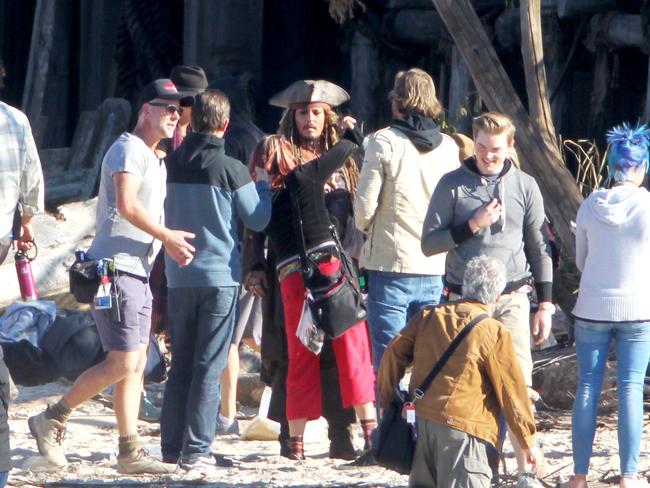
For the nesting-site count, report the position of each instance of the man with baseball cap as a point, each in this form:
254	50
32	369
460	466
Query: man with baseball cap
190	80
129	231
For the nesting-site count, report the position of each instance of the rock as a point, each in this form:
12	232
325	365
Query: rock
555	378
57	237
250	389
261	429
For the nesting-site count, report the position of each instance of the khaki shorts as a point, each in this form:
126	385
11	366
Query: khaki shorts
513	311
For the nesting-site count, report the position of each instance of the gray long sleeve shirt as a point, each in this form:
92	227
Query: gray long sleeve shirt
517	239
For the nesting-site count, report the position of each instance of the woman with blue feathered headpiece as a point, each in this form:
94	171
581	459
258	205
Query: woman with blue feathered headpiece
613	253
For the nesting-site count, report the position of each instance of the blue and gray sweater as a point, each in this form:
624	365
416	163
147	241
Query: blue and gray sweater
207	192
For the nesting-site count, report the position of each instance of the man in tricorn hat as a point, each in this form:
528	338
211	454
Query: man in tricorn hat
309	127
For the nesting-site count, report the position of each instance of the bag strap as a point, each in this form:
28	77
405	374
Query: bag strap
298	229
419	391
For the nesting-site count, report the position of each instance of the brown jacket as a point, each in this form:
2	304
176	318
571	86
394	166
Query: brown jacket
481	378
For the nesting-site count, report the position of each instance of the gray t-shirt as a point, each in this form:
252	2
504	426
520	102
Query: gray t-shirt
133	249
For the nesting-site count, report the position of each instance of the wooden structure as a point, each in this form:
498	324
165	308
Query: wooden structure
481	53
72	173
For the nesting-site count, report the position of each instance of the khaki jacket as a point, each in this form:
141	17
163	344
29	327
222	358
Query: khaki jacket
480	379
392	198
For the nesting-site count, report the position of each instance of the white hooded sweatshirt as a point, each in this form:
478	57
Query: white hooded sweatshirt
613	253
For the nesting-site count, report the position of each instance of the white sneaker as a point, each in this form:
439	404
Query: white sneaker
206	461
528	480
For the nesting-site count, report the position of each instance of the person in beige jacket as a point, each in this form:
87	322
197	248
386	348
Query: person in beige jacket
402	166
458	415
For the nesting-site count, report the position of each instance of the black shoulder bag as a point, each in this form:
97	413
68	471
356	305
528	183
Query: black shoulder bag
335	300
394	440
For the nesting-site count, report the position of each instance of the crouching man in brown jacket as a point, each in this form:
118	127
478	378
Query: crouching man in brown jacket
458	415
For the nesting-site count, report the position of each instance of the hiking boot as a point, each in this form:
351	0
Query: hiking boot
49	434
139	461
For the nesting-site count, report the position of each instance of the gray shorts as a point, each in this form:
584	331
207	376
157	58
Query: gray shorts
135	317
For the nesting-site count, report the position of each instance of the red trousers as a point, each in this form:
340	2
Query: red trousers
352	352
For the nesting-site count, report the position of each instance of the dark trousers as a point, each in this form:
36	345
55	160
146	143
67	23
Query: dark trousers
201	323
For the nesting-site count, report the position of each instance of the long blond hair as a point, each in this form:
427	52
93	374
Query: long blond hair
415	93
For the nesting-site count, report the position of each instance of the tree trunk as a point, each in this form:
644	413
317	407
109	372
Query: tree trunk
532	51
540	158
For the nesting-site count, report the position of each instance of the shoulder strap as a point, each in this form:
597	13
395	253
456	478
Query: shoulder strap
419	391
300	233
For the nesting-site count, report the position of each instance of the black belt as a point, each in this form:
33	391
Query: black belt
510	287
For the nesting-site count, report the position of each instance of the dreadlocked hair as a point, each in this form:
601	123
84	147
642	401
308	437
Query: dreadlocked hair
287	129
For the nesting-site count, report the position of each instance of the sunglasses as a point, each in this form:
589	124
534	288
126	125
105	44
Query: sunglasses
169	108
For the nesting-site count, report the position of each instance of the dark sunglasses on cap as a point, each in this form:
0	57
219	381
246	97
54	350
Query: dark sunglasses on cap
169	108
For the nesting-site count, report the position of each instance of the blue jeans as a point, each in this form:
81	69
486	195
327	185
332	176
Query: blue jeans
201	322
632	354
4	476
393	299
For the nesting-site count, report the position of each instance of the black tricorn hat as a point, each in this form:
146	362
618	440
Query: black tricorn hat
189	79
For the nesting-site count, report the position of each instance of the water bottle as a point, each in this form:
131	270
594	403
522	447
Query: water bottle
25	276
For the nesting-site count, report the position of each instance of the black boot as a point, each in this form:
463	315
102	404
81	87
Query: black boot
341	446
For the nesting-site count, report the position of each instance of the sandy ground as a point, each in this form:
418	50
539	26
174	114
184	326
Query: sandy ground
92	436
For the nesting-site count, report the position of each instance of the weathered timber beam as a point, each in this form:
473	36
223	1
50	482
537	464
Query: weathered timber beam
39	61
84	136
532	51
577	8
541	159
114	116
460	88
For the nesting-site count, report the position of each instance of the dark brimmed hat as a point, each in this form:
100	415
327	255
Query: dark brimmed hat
310	91
163	88
190	79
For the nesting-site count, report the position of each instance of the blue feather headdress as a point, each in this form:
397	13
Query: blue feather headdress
628	149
